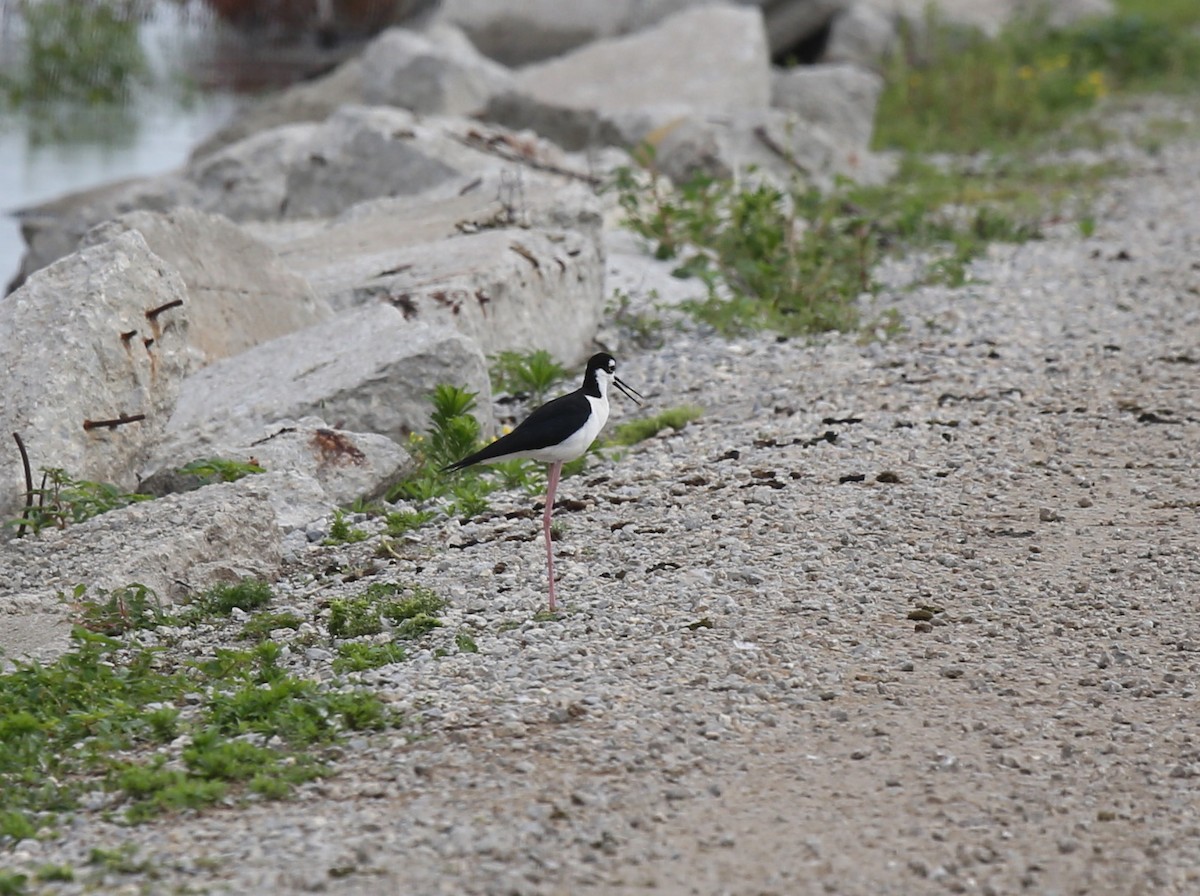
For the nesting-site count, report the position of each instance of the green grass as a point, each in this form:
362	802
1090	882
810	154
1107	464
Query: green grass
259	626
102	715
85	52
639	430
411	611
221	600
951	89
356	656
61	500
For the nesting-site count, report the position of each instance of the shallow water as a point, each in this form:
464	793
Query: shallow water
49	152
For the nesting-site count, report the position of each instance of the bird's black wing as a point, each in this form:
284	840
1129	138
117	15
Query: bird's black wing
548	425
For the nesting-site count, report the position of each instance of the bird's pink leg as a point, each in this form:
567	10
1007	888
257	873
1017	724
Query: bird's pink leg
555	469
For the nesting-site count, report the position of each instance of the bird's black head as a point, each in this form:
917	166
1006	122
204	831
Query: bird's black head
602	368
602	361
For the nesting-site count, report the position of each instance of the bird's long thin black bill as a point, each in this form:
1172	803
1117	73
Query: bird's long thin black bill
628	390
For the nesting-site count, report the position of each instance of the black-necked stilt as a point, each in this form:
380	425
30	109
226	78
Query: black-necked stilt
558	431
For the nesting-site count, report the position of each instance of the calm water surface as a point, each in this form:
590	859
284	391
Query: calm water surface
46	155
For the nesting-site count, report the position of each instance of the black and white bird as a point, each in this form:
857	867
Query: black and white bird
558	431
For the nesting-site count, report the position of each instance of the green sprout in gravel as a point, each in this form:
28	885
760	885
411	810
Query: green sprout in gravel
221	600
341	532
357	656
259	626
411	611
639	430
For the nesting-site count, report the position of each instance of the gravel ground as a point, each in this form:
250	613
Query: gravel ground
738	698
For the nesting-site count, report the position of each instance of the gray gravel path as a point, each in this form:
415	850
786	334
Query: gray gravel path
737	700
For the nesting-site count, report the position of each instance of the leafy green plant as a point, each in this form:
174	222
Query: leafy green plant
219	469
401	521
465	643
639	430
62	500
221	600
118	611
260	625
356	656
56	873
341	532
365	614
81	51
453	434
794	263
532	374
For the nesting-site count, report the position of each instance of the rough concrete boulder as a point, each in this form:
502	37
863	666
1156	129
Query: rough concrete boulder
517	32
53	229
438	72
308	170
624	87
346	465
95	337
359	153
308	101
839	98
179	545
365	370
523	276
776	144
238	292
861	35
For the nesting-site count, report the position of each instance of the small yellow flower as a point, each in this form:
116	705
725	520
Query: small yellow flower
1025	72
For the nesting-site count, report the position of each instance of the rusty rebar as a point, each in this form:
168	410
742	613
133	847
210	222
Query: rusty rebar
113	424
155	312
28	484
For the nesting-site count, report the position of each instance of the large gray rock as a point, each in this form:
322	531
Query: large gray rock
438	72
308	101
80	347
53	229
238	292
359	153
839	98
346	465
307	170
522	272
621	89
179	546
365	370
861	35
777	144
517	32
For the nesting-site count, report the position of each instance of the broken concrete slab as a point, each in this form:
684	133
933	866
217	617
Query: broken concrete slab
238	291
364	370
622	88
96	348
